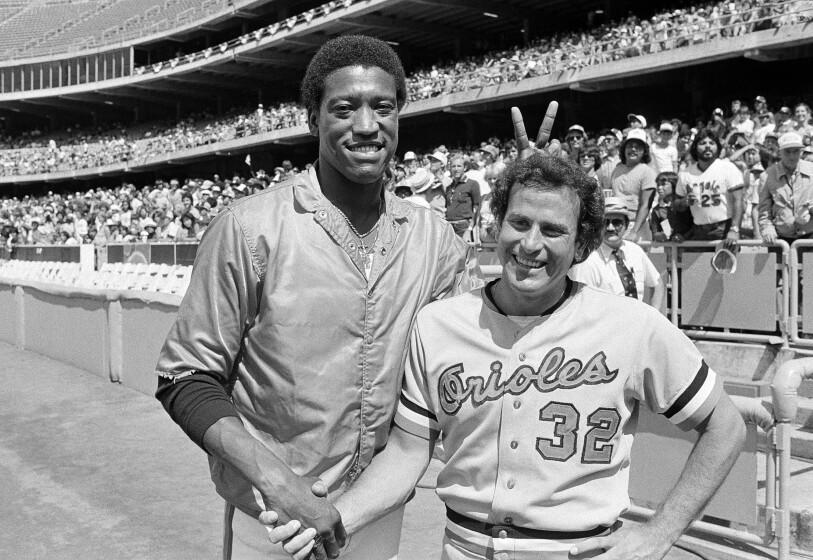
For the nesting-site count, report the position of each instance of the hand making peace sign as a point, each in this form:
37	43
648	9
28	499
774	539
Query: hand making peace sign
542	144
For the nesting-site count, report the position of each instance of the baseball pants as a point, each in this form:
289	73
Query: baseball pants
245	538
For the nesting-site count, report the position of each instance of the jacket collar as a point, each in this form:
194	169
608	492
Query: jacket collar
308	193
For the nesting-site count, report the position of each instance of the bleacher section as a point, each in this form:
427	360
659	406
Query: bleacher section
42	27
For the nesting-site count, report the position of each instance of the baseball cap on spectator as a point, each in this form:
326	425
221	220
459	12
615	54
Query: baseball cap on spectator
772	134
576	128
790	140
490	150
440	156
807	150
757	168
420	181
639	118
785	110
717	111
409	156
149	222
614	205
666	127
618	134
635	134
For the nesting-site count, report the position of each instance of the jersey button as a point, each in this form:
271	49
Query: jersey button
514	444
517	403
510	485
522	356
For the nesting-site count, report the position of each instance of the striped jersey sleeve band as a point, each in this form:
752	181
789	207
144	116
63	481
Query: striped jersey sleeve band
697	401
416	420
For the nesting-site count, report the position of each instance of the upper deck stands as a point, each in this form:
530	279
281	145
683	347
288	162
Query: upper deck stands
41	27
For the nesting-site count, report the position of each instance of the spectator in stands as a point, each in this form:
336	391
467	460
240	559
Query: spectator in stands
188	230
801	122
574	140
462	199
742	121
420	187
718	124
711	188
636	121
410	162
437	165
620	266
590	161
784	121
633	180
754	178
608	143
786	197
760	105
664	153
764	125
487	224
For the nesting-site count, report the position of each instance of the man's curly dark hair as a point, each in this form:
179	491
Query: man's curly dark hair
350	50
546	173
702	135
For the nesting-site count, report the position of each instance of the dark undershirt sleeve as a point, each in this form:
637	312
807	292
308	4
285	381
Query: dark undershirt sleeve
195	402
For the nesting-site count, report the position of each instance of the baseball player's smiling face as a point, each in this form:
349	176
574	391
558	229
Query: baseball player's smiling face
536	246
357	124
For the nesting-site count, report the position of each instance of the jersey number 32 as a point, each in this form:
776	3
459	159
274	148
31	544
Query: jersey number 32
603	424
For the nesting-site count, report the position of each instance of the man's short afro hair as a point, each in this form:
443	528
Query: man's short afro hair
350	50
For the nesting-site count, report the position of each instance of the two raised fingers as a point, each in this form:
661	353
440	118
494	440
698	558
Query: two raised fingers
542	137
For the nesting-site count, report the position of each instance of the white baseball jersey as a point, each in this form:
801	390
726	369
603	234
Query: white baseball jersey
538	416
708	190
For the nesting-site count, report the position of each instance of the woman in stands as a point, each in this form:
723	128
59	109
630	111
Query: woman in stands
590	161
188	230
633	180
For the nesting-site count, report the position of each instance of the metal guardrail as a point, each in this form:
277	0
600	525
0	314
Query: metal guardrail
763	301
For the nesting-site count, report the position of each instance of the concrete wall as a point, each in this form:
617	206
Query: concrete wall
113	334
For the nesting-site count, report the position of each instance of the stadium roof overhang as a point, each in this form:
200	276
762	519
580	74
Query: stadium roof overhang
421	30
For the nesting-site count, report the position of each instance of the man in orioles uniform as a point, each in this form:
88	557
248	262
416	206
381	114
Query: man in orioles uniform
535	381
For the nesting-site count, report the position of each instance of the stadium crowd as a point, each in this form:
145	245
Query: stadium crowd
33	152
77	149
180	210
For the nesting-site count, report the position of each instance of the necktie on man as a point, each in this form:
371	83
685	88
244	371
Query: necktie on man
627	279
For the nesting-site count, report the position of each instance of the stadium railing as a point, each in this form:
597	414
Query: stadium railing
761	302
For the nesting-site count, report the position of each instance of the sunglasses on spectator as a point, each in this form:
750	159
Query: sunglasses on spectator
617	223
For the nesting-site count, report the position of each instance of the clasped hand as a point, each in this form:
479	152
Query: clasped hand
306	522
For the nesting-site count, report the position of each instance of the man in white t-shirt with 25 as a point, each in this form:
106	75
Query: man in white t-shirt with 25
712	189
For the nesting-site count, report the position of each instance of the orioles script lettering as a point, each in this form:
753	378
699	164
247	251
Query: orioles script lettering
554	372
